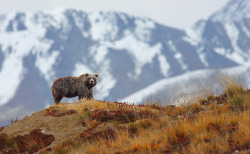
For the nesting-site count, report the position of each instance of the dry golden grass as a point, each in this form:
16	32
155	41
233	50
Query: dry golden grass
203	124
231	83
220	125
211	131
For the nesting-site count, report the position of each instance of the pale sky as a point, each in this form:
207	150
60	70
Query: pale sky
175	13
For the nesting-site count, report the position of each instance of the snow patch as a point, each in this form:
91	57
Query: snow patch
234	56
192	37
143	29
11	75
53	17
245	30
142	52
45	64
172	46
197	30
79	20
220	51
80	69
5	23
103	28
124	18
202	56
99	52
144	23
178	56
106	81
165	67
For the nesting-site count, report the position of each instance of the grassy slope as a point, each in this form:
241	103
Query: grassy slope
205	125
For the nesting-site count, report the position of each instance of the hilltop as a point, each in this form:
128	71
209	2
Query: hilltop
211	124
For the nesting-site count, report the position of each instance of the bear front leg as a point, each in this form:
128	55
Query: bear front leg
91	96
80	97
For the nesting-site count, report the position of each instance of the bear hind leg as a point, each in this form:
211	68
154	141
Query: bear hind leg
57	94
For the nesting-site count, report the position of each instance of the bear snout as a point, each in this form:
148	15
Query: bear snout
92	81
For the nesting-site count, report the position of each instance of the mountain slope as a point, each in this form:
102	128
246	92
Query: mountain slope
227	31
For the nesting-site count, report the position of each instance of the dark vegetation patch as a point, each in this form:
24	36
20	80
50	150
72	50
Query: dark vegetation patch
157	107
122	116
237	100
3	141
58	113
93	135
222	128
219	99
29	143
212	126
180	139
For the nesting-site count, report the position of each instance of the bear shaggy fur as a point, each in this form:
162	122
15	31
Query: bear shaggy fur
69	87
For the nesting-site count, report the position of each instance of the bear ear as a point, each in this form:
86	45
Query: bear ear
96	75
87	74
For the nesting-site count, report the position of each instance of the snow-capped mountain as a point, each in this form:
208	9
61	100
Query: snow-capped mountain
129	53
226	34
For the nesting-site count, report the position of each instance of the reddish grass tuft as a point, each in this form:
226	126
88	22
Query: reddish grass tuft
1	128
57	113
29	143
3	141
92	135
122	116
13	121
34	141
212	126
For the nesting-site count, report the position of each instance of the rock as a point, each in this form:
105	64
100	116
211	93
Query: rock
191	116
88	108
43	131
220	105
172	121
180	117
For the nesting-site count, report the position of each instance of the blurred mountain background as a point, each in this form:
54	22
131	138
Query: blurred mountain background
137	58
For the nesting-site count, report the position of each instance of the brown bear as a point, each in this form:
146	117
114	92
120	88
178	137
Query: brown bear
69	87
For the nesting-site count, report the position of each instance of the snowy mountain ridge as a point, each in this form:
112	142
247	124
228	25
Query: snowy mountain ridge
232	11
227	31
172	89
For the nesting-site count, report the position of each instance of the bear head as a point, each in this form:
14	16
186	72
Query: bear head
90	80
